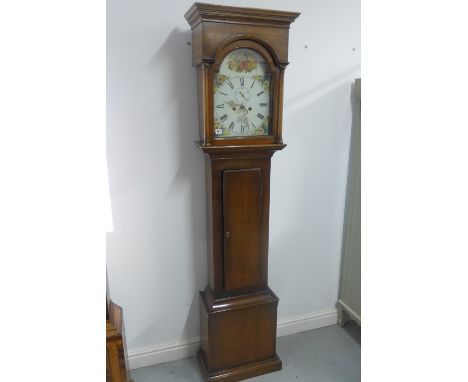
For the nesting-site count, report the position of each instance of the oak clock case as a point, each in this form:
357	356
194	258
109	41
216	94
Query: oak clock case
240	55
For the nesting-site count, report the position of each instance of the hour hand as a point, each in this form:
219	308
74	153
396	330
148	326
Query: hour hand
231	104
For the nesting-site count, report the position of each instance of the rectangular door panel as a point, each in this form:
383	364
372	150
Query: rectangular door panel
242	201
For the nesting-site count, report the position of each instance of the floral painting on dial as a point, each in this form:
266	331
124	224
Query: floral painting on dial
242	62
219	80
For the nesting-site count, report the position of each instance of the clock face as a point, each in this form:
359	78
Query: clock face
242	96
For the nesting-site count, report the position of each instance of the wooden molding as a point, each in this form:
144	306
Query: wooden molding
214	26
199	12
210	149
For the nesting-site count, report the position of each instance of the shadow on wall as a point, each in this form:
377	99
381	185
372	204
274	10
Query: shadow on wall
189	174
159	189
320	91
317	134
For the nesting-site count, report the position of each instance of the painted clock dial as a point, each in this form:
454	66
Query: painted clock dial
242	98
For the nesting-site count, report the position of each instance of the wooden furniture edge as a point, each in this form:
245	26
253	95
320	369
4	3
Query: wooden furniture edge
241	148
209	12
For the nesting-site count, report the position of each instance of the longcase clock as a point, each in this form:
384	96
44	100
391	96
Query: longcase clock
240	55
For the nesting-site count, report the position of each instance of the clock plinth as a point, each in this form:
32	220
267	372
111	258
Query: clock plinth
238	336
240	55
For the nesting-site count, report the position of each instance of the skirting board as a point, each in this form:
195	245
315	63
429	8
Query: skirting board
159	354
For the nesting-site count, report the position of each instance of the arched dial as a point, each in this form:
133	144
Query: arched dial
242	96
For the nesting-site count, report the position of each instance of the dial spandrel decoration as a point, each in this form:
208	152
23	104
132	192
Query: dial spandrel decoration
242	96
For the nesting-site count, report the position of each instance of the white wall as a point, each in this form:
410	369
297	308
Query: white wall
156	257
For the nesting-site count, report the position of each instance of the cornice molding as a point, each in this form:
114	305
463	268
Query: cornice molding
199	12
